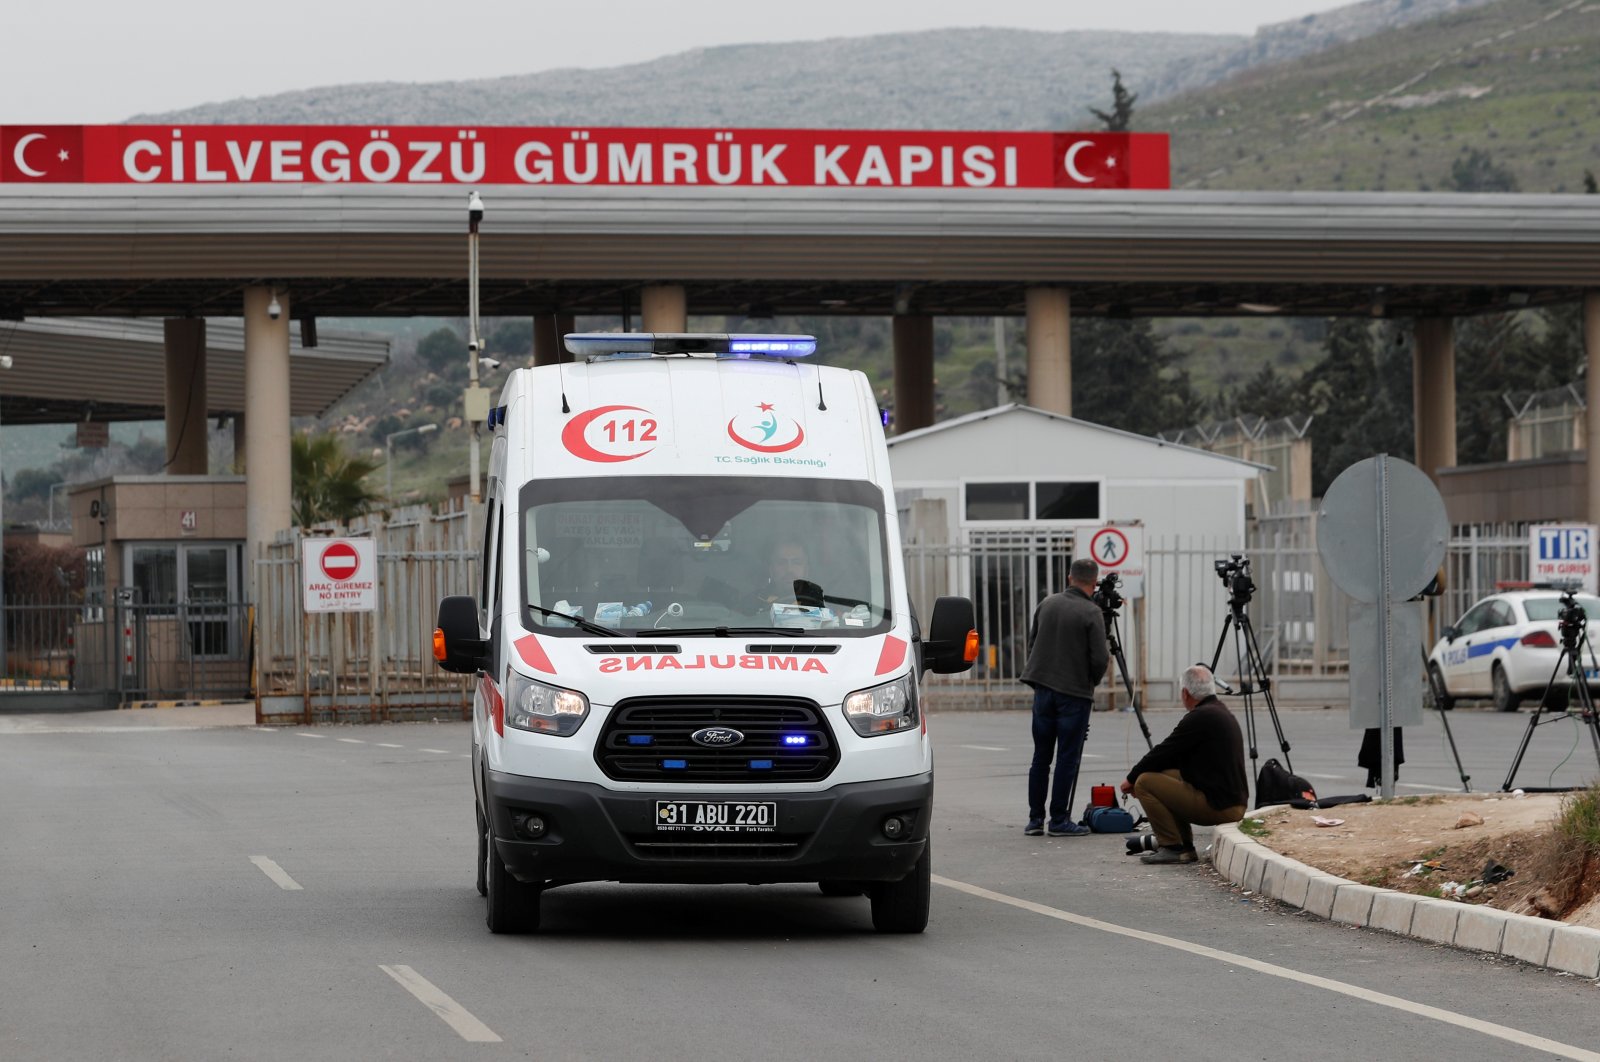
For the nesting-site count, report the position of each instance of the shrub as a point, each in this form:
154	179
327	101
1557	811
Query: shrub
1580	818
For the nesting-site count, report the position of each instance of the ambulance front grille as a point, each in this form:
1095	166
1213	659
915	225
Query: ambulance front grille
783	739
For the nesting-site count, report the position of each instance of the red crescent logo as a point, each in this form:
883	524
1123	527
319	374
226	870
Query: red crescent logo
799	437
573	436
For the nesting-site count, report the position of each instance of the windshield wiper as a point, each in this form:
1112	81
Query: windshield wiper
720	632
577	621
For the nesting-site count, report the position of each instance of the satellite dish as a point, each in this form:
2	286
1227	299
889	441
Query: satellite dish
1348	532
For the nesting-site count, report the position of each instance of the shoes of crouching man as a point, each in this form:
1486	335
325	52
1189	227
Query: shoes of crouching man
1170	855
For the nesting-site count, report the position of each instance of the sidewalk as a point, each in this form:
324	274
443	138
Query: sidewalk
1254	867
236	713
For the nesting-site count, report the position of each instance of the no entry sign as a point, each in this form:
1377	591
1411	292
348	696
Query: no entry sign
341	574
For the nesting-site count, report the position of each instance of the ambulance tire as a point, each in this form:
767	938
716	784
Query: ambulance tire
840	888
483	852
513	905
902	906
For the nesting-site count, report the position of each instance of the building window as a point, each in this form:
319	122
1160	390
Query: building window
1066	501
155	574
997	501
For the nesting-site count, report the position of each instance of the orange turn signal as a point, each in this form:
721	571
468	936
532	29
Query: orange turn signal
439	652
969	653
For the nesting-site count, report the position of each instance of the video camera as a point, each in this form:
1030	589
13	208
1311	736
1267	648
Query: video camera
1106	594
1234	571
1572	620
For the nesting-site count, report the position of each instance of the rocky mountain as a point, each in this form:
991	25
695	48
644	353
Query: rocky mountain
949	79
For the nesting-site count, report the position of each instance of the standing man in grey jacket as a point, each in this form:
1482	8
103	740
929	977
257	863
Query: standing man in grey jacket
1067	657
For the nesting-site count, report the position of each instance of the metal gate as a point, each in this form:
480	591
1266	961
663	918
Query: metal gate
69	653
366	666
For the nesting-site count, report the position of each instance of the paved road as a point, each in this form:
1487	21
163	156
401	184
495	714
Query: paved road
307	894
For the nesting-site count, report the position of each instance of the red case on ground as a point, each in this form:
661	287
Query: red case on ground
1103	796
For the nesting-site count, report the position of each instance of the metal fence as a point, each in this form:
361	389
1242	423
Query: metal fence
366	665
1299	618
68	653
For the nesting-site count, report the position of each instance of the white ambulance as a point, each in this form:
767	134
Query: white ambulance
696	657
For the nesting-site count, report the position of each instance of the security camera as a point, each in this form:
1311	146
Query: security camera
274	308
488	364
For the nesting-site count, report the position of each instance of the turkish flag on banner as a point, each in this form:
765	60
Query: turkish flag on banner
1109	160
51	153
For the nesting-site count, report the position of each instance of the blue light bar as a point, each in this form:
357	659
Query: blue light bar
674	765
777	346
639	739
659	344
761	765
796	739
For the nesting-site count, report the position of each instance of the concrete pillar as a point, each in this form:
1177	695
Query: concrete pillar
1591	415
1433	394
187	452
663	308
546	339
268	497
913	372
1049	336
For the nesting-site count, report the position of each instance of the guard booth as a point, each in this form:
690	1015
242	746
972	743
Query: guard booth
163	615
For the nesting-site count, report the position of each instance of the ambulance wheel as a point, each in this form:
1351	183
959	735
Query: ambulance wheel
513	905
1441	697
483	852
840	888
1506	699
902	906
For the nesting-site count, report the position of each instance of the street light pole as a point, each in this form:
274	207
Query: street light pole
388	455
5	363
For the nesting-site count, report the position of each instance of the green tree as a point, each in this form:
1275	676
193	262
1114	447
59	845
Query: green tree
1359	396
1124	376
1120	118
327	483
1477	171
442	349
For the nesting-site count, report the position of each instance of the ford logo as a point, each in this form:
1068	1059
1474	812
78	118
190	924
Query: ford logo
716	737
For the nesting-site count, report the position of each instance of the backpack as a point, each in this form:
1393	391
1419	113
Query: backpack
1109	820
1276	785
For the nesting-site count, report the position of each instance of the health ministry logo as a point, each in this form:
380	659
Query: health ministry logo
758	430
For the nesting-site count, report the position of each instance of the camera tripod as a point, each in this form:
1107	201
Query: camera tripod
1253	678
1114	643
1444	717
1570	662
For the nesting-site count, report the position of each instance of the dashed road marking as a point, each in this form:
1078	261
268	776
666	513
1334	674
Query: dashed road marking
1429	788
1382	999
276	873
351	741
1326	777
984	748
441	752
302	733
389	745
448	1010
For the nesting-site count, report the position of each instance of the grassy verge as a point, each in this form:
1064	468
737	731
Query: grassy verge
1579	822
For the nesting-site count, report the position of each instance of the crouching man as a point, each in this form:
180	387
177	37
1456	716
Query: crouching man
1196	776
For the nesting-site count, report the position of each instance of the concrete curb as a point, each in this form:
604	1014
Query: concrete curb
1255	867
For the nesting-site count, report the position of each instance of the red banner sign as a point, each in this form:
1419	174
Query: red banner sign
421	155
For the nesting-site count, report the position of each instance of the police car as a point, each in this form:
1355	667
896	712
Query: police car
1506	647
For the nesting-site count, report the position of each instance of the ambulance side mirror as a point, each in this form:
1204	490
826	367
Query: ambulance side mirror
458	644
952	642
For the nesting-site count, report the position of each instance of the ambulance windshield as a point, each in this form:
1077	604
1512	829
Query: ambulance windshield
645	554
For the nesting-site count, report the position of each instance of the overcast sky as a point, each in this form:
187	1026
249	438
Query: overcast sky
98	61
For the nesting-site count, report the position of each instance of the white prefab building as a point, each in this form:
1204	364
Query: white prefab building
995	504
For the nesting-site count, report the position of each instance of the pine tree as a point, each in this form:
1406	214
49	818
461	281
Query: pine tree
1124	376
1120	118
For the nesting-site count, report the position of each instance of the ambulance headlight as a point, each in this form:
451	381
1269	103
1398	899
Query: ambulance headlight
544	709
883	709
